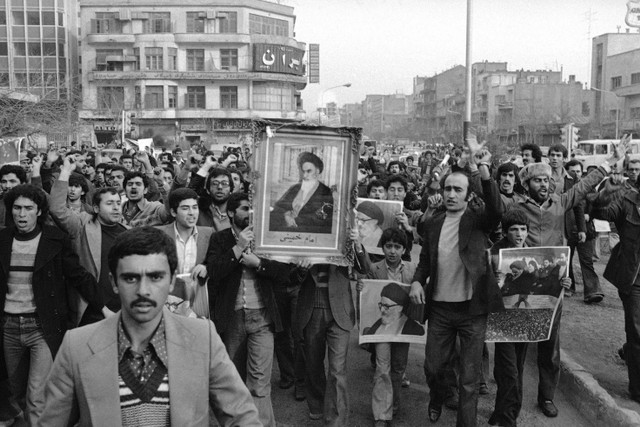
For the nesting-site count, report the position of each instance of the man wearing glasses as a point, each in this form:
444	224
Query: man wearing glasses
214	185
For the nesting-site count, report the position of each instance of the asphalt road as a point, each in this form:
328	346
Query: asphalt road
413	409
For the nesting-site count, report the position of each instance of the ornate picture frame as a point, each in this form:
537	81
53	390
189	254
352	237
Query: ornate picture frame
296	218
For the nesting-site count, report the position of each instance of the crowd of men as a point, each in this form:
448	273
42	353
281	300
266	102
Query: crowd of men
94	245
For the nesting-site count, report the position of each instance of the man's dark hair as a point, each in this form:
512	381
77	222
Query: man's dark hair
234	201
375	183
510	167
572	163
395	162
74	152
136	174
143	241
409	158
177	150
514	217
31	192
536	153
119	168
97	195
218	172
102	166
394	235
396	178
20	173
170	170
180	194
168	154
77	180
125	156
559	148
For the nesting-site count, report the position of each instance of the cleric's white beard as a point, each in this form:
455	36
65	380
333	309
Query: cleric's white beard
308	185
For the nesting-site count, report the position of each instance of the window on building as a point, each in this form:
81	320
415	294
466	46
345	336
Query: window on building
19	49
153	58
616	82
173	96
137	97
4	49
634	112
49	49
586	109
4	79
101	60
195	97
35	49
21	80
172	63
613	115
60	19
50	80
500	99
228	97
154	97
158	22
18	17
3	17
273	96
35	79
259	24
48	18
195	22
111	98
136	54
195	59
483	118
635	78
228	22
33	18
106	23
229	59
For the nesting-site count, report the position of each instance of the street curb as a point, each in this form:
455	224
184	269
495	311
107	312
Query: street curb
593	401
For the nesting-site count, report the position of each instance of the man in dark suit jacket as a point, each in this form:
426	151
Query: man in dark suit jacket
462	289
241	292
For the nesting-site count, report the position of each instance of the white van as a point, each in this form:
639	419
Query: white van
591	153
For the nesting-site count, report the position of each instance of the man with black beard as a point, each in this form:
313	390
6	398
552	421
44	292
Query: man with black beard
244	310
214	185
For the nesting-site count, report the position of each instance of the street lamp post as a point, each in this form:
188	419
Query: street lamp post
322	98
617	109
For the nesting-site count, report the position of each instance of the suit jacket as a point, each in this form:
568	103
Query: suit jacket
225	274
316	216
475	225
56	269
83	383
202	242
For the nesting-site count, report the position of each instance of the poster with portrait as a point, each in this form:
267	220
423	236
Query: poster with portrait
372	217
303	191
385	314
530	281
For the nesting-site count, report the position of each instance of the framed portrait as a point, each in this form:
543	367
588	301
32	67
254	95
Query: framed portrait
530	281
372	218
386	314
304	191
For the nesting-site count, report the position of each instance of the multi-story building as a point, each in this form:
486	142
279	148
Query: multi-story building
192	71
351	115
384	113
615	79
38	47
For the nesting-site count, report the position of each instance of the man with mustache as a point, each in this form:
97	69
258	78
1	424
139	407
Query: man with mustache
120	367
244	307
546	212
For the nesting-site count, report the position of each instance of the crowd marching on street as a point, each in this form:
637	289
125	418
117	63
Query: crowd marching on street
130	293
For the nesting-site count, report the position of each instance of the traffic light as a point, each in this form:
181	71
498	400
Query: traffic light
564	134
574	136
126	121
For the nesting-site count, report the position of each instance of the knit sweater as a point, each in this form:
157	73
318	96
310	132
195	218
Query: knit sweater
20	298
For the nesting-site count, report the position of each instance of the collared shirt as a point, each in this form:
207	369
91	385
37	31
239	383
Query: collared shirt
187	250
221	220
395	274
130	212
154	353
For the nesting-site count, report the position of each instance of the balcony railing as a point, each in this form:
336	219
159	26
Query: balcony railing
106	26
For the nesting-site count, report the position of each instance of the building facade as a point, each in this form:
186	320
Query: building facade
615	80
189	72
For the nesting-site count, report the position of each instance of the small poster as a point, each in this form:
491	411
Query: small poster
385	314
530	281
372	218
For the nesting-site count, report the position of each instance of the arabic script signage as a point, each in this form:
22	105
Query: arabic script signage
276	58
633	13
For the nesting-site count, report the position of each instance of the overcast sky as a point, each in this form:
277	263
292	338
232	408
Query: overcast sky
380	45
